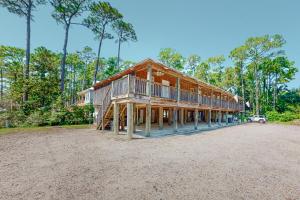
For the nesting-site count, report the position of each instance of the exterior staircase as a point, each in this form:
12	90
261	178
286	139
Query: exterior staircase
105	114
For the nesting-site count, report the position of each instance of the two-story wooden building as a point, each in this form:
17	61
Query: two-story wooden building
152	94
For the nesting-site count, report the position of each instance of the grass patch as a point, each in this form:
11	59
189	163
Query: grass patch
4	131
295	122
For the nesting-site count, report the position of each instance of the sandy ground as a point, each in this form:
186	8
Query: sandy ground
249	161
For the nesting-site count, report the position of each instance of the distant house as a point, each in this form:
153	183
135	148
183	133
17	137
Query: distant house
85	97
154	95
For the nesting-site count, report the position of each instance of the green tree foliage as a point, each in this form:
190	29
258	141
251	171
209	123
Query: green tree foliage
203	72
87	56
259	48
259	74
49	94
102	14
172	58
44	82
24	8
64	13
125	32
12	65
216	64
239	57
192	62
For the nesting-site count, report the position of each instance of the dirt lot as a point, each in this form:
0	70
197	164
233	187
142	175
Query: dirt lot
244	162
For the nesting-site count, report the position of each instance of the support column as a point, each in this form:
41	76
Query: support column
148	120
175	124
209	118
137	117
102	119
226	117
182	116
134	118
123	122
220	118
170	116
196	119
161	119
116	118
129	120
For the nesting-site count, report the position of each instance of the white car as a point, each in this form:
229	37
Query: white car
257	118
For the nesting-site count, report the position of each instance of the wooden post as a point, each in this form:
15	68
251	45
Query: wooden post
209	118
102	119
148	120
123	119
211	98
220	117
112	89
129	120
134	118
170	116
137	117
197	96
116	118
196	119
182	116
149	80
175	119
178	89
160	120
226	117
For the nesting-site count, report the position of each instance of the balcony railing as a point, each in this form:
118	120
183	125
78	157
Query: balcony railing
138	86
120	87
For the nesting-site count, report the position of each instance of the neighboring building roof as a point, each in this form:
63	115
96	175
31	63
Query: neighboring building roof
163	66
85	91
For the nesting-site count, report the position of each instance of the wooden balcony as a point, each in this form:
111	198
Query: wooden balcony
135	88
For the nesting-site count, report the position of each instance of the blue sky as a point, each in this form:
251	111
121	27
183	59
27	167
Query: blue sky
203	27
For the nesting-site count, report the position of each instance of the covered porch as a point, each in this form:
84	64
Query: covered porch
156	120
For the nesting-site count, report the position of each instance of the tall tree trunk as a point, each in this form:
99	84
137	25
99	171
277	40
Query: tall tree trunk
27	62
243	89
1	86
274	92
84	75
268	88
63	61
98	58
74	86
256	91
119	49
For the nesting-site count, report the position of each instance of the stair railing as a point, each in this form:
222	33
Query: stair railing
103	108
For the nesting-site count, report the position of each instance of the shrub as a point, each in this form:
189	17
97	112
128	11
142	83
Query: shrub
12	118
273	116
287	116
58	115
282	117
38	118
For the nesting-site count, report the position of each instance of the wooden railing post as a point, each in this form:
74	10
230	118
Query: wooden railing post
198	95
112	89
178	89
128	85
211	99
149	80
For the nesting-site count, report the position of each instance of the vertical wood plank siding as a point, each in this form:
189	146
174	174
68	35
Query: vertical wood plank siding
120	87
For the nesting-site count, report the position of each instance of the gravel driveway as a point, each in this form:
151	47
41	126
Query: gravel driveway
249	161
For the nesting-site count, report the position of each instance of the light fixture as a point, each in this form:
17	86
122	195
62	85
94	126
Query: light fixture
159	73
